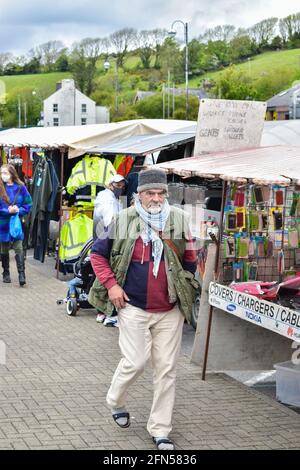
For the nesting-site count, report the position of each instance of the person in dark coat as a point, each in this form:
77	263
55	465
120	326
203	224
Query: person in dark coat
14	199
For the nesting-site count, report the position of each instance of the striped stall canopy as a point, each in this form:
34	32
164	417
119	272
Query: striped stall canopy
262	165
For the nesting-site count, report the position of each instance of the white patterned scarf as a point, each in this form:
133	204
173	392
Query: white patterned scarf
153	224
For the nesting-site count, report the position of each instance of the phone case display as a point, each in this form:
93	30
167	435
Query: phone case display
239	199
255	222
252	271
295	204
279	197
293	239
259	222
238	271
242	247
227	272
240	217
229	247
230	221
277	221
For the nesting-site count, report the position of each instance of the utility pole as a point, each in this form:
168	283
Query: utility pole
163	99
168	94
186	67
173	103
74	99
25	114
172	33
117	86
106	66
19	111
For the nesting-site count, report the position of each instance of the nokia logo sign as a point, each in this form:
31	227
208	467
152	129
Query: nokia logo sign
231	308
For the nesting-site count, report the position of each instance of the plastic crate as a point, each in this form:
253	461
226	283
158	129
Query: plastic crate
288	383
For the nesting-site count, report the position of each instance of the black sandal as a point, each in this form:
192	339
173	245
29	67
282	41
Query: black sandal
163	440
124	414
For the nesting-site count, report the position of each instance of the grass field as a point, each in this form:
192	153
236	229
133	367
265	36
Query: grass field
260	65
43	83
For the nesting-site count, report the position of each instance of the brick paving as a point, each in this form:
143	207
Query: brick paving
58	370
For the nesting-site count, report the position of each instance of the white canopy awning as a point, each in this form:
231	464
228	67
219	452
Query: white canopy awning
78	139
262	165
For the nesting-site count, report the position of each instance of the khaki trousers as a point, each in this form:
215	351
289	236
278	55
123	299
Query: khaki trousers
143	334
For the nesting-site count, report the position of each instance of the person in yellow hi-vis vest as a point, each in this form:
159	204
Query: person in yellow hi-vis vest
89	176
74	234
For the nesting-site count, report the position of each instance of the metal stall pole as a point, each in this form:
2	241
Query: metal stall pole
219	241
60	213
27	162
281	274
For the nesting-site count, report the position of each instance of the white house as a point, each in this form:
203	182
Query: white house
69	107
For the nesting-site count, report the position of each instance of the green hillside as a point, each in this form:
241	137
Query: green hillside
264	75
43	84
263	64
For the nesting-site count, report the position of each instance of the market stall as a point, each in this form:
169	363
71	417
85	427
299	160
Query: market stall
258	243
63	161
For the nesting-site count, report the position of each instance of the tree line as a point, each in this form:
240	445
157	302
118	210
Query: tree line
215	48
146	58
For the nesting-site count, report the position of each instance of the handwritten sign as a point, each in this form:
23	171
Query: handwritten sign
229	125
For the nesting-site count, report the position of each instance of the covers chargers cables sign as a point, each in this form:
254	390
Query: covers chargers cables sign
277	318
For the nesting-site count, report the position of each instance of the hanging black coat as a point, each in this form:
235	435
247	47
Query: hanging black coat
45	186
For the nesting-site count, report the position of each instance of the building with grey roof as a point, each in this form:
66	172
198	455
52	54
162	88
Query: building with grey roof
285	105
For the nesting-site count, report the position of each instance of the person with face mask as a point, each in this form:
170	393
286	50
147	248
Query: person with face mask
14	199
144	268
107	204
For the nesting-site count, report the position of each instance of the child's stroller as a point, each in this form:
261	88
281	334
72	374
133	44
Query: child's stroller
79	287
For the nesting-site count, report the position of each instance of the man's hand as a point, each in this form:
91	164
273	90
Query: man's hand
117	296
13	209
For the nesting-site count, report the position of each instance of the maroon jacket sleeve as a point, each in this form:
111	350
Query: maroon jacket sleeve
103	271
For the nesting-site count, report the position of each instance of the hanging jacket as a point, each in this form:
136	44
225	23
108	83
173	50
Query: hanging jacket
74	234
45	186
18	196
88	177
40	246
123	164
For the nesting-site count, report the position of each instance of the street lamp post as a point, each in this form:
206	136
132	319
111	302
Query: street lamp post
106	66
38	97
172	33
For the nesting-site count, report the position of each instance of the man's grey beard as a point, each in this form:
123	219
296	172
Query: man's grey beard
154	210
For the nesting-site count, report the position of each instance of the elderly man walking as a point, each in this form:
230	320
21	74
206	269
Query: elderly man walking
145	269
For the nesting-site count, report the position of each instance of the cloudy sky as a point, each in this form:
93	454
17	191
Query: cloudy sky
25	24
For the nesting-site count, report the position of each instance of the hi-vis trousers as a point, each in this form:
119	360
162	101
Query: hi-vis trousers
143	334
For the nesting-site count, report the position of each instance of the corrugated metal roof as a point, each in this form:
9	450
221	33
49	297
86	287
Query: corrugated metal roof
144	144
262	165
281	133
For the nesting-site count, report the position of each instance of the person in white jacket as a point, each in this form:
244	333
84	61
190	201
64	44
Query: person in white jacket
108	204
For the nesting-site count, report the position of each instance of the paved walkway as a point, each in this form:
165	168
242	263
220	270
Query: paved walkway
58	370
